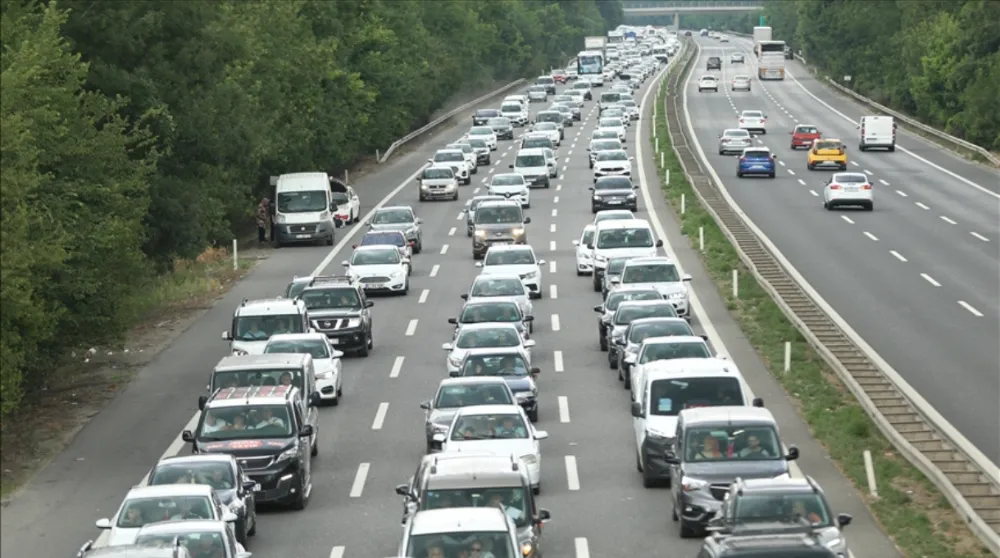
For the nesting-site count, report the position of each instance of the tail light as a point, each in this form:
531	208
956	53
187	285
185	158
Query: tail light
866	186
763	119
413	243
835	186
741	121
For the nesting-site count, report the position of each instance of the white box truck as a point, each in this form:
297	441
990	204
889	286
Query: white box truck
760	34
594	43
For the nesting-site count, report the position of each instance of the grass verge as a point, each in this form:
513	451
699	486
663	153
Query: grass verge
158	311
910	508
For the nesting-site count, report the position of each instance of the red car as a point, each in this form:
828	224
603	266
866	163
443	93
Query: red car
803	135
560	76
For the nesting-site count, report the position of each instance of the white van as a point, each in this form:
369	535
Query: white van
878	132
515	112
621	238
304	209
533	165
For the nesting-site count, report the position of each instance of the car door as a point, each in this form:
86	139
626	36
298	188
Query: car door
305	450
639	423
246	495
355	202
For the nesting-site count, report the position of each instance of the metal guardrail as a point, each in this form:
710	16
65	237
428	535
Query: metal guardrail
423	129
969	480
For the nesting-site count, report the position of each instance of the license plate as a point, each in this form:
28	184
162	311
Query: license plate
334	341
853	189
256	487
375	286
302	236
614	202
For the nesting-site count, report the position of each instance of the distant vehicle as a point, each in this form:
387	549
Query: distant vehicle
849	189
714	63
704	32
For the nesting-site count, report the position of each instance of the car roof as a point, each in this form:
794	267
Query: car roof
491	301
838	176
623	224
476	410
184	526
460	520
267	360
511	248
508	174
674	339
761	148
388	232
657	319
308	336
165	490
133	551
640	303
728	414
468	470
488	325
780	484
376	247
504	202
435	166
252	395
752	110
471	380
406	207
197	458
449	151
693	367
650	260
270	306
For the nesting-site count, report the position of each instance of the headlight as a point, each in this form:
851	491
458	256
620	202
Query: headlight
658	436
618	336
631	196
239	352
397	274
833	543
677	296
531	275
525	193
600	259
523	396
288	454
279	219
453	361
530	458
411	230
597	198
480	233
691	484
439	428
526	549
518	231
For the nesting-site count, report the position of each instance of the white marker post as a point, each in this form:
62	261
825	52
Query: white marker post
236	259
701	239
736	284
788	356
668	177
656	145
661	160
683	198
870	472
346	181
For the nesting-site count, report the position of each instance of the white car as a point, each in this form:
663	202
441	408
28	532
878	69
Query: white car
708	82
150	504
552	160
585	250
471	159
515	112
615	162
550	130
600	145
498	430
845	189
616	110
753	121
348	206
326	360
438	181
724	38
512	186
515	259
483	337
484	133
596	80
455	159
613	215
616	124
736	58
485	287
658	273
537	93
189	533
379	269
657	349
631	108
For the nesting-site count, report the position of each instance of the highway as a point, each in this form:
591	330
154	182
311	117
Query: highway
374	439
918	278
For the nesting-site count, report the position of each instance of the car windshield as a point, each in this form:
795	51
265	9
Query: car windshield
375	257
317	348
606	134
588	238
545	118
245	422
498	287
339	198
458	396
545	126
261	328
610	98
735	443
850	178
438	172
806	130
449	156
537	89
141	511
640	332
616	265
487	338
478	143
489	427
199	543
331	298
463	147
736	134
384	239
757	154
507	180
613	183
527	161
217	474
606	145
529	143
673	350
562	98
513	500
780	507
668	397
650	273
492	312
225	379
828	144
499	215
397	216
639	237
511	108
612	156
509	257
481	131
302	202
495	365
629	103
625	315
752	114
442	545
611	122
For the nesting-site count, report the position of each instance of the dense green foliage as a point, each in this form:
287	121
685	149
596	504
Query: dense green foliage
135	133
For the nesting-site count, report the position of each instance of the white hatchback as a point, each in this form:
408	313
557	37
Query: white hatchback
658	273
481	336
484	133
149	504
510	185
585	250
515	259
550	130
379	268
612	163
326	360
616	124
708	83
847	189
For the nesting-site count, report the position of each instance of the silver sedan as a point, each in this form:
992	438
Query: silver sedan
734	140
740	83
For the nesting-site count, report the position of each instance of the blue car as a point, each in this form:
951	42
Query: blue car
757	160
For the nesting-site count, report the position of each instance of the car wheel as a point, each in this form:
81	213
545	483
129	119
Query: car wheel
771	175
418	247
330	239
468	233
739	174
365	349
299	502
241	532
253	528
315	449
870	207
810	166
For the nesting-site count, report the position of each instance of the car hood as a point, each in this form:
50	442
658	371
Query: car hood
226	496
612	164
320	313
120	536
626	252
498	227
438	181
401	227
247	447
519	383
664	288
250	347
441	416
661	425
515	188
509	269
373	270
717	472
496	446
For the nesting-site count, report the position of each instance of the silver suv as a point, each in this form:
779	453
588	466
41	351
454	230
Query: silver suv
452	531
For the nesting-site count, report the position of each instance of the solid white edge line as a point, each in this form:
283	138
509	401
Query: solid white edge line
572	475
563	409
358	487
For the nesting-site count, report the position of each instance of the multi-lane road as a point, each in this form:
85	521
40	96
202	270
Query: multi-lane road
374	439
918	278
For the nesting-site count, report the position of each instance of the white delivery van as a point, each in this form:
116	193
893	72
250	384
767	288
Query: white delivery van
878	132
304	209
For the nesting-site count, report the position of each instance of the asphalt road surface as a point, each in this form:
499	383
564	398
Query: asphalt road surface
918	278
374	439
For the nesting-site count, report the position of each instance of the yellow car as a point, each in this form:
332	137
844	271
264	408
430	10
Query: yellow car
827	153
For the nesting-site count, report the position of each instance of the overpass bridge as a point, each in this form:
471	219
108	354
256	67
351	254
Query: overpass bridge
664	8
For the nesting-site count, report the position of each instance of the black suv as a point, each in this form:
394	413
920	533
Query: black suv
714	63
275	452
338	307
758	544
482	116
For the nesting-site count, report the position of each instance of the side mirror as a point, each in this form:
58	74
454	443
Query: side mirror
536	371
187	436
620	342
249	485
479	264
793	453
226	336
528	319
306	430
446	347
758	402
465	297
632	159
541	434
228	516
844	519
403	490
616	280
686	277
703	336
345	263
439	438
369	304
202	401
591	188
419	221
636	409
453	321
338	354
510	166
576	243
420	179
659	244
529	343
543	515
599	309
541	262
527	220
630	359
103	523
426	405
455	374
430	160
773	156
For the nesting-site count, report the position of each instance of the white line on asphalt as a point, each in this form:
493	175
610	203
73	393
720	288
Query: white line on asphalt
411	328
434	271
555	212
359	480
563	409
476	191
555	322
553	292
558	187
969	307
555	199
883	182
444	249
871	236
451	231
552	265
922	206
930	280
949	221
423	296
868	171
782	163
813	192
791	172
557	361
383	408
979	236
552	245
802	182
898	255
552	228
901	193
572	477
461	215
579	544
846	218
397	367
855	163
337	552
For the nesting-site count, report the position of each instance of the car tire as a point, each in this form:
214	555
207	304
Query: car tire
771	175
253	530
612	361
241	532
870	207
526	206
828	206
300	500
475	170
810	166
365	349
739	174
468	233
330	240
418	247
315	450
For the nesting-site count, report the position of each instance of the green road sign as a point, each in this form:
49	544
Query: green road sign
763	21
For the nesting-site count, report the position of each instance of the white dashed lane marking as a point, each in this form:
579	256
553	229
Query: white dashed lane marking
444	249
359	483
397	367
552	245
970	308
901	193
949	221
930	280
922	206
897	255
411	328
813	192
563	409
846	218
553	292
434	271
979	236
557	361
555	322
572	476
383	408
871	236
451	231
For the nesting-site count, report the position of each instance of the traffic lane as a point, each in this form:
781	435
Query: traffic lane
887	300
